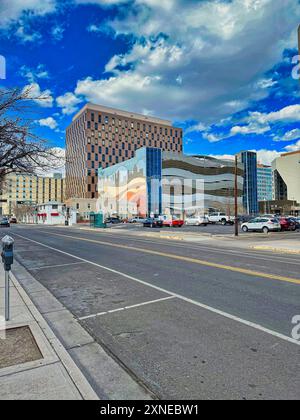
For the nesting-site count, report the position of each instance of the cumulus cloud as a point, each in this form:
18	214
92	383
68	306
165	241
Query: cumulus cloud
201	60
260	123
42	98
49	122
265	157
289	136
68	102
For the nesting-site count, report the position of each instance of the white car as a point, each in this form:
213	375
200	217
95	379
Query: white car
221	218
261	224
197	221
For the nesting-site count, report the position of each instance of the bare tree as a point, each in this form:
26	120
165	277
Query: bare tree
22	151
23	211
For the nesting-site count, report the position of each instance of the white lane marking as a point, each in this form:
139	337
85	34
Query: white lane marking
57	266
126	308
185	299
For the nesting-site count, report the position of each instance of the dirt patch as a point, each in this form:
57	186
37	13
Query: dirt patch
18	347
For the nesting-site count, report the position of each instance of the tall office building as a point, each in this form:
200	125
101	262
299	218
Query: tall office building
100	137
250	199
264	183
21	189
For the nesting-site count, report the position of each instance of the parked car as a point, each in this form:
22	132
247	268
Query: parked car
197	221
297	219
13	220
153	222
287	223
137	220
260	224
221	218
172	221
113	220
4	223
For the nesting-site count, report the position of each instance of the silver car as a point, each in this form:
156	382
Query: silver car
197	221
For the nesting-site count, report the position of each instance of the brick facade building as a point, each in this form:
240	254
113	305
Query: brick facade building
100	137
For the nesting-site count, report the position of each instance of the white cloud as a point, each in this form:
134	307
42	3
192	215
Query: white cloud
260	123
56	163
68	102
197	128
32	75
252	128
43	98
57	32
12	10
49	122
25	34
289	113
219	49
264	156
266	83
293	147
289	136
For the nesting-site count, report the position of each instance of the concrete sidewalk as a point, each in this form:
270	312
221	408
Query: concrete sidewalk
53	375
72	366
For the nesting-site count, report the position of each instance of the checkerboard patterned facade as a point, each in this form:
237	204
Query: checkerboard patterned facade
101	137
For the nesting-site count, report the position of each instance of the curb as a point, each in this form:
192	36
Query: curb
79	380
277	250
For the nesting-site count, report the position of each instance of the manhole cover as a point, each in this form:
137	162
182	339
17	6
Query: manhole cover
19	347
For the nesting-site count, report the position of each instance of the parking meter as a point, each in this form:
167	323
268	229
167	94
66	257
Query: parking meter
7	252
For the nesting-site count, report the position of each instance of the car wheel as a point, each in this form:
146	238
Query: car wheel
223	222
265	230
245	229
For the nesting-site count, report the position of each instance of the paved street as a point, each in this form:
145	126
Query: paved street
188	320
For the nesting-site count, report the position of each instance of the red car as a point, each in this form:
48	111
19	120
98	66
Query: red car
173	222
287	224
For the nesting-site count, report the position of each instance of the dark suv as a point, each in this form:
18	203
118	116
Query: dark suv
4	223
153	223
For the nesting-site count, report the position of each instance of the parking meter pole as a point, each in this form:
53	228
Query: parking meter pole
7	260
7	297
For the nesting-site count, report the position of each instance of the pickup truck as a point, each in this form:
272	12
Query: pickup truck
221	218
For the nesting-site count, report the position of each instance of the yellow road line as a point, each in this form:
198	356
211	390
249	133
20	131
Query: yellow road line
186	259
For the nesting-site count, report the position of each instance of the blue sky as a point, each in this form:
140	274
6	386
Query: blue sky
224	70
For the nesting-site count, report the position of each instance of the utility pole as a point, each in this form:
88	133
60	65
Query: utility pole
236	220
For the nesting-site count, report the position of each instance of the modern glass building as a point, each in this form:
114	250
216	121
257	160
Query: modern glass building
250	197
156	182
264	183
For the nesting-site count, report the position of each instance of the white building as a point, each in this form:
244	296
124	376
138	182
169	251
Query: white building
51	213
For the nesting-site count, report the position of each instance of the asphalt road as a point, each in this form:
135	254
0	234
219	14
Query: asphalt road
190	320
